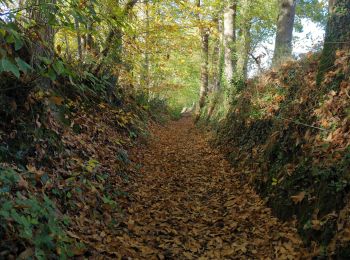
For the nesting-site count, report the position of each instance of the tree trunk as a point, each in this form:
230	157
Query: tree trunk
215	61
39	11
204	32
243	50
230	40
337	35
204	72
68	56
146	65
243	43
80	49
89	39
90	45
114	37
84	40
284	34
218	67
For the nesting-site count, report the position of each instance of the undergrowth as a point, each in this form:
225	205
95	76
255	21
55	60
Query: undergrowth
290	138
64	162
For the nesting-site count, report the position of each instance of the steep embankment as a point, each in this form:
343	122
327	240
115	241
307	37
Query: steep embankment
63	167
291	139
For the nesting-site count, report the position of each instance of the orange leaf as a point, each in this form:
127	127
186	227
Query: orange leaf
299	197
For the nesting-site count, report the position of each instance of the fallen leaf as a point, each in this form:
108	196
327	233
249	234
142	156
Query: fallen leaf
298	198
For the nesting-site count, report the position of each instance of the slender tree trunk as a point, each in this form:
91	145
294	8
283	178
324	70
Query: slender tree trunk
84	43
331	4
204	32
230	40
44	46
114	38
68	56
218	66
215	60
80	49
90	45
243	43
204	72
337	35
146	76
284	34
243	50
204	68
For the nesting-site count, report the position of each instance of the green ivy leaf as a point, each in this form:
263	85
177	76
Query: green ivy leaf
23	66
8	66
46	60
59	67
10	38
2	32
51	74
18	44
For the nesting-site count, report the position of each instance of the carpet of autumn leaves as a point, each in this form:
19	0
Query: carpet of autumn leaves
187	203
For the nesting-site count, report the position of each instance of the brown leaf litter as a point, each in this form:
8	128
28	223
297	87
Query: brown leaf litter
188	203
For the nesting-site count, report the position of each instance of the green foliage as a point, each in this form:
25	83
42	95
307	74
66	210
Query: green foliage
34	219
315	10
175	113
8	66
155	105
8	180
88	82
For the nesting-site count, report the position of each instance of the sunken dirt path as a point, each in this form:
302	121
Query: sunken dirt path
189	204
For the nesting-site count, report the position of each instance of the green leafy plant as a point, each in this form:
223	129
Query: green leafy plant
34	219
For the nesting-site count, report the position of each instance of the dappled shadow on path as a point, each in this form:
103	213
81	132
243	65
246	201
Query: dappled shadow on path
189	204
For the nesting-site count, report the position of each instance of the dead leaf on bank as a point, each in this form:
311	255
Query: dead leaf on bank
57	100
71	234
22	183
26	254
33	169
77	251
299	197
316	224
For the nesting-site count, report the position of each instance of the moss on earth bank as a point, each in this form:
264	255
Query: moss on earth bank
292	139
